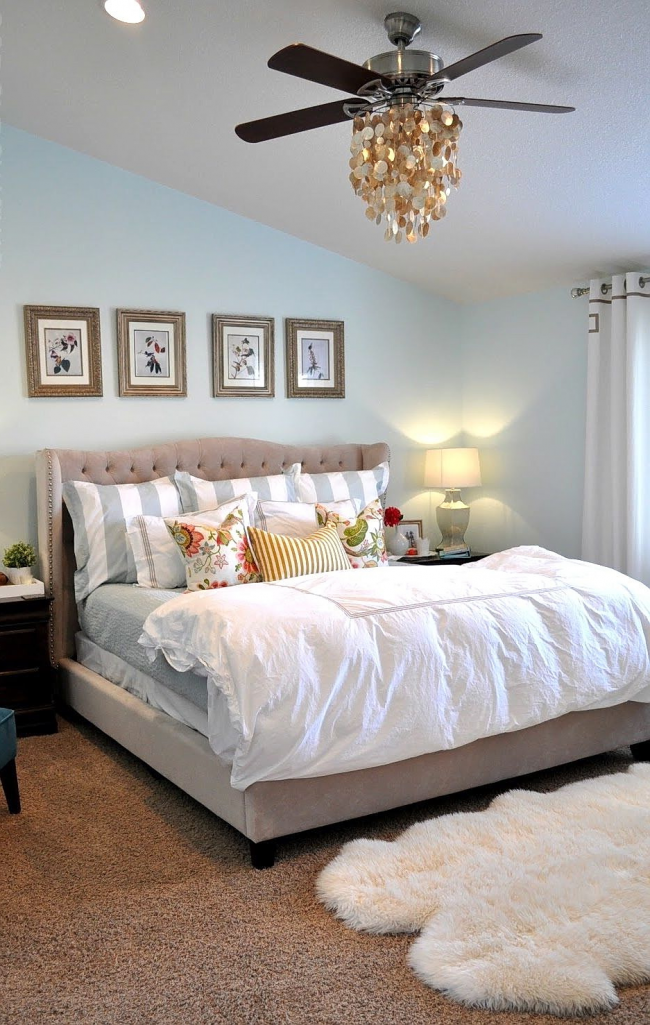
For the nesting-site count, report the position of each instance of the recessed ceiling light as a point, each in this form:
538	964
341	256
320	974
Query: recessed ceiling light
124	10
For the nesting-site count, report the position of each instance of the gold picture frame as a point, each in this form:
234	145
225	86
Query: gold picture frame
151	353
412	530
63	351
315	359
243	356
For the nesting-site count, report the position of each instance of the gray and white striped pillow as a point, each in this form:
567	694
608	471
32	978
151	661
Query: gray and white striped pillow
101	515
197	494
362	486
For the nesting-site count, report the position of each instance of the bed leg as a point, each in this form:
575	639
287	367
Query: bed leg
262	854
9	780
641	752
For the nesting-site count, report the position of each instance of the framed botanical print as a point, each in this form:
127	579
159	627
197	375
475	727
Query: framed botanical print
151	353
63	351
243	356
315	359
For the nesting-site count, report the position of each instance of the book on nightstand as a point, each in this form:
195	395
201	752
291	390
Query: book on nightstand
453	552
436	558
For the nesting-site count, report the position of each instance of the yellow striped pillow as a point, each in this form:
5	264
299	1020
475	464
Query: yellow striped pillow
279	557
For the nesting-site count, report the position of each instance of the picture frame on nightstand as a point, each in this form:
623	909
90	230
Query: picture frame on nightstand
412	531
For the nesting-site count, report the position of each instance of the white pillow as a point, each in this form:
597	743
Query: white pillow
101	515
158	561
299	519
347	509
198	494
294	519
362	486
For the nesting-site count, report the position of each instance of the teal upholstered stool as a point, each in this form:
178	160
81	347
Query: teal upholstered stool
8	775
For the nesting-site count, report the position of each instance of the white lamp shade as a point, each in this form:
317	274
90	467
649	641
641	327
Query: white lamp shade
452	468
129	11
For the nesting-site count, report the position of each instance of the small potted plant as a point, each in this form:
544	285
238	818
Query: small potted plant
398	543
18	561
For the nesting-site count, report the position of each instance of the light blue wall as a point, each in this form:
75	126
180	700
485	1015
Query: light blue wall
524	379
419	369
76	231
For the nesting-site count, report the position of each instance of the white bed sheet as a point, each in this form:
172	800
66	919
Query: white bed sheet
154	693
346	670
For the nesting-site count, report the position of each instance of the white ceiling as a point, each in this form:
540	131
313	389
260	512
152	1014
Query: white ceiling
545	200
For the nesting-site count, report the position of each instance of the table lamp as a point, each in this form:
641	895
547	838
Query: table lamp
452	469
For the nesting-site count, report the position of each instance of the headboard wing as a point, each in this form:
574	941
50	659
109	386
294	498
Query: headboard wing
209	458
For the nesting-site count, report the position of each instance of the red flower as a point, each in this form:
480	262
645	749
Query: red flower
392	516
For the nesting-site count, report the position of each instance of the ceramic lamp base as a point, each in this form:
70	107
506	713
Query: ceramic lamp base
397	544
453	517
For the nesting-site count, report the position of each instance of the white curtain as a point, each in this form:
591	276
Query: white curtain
616	520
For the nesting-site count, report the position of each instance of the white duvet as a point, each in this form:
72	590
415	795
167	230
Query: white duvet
357	668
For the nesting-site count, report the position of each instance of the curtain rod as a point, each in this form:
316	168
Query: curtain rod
577	292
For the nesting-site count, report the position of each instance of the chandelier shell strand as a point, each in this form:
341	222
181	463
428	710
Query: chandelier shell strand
403	166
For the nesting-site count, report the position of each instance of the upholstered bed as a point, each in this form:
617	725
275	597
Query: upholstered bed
270	809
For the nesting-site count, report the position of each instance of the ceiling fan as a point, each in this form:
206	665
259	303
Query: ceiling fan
405	132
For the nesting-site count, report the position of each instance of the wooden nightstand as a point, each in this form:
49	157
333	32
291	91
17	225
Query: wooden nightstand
26	677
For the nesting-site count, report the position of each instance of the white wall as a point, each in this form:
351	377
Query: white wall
76	231
524	379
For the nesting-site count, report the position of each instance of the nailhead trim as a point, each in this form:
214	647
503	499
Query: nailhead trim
50	555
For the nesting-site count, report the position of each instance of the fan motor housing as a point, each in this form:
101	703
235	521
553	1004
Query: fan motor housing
405	65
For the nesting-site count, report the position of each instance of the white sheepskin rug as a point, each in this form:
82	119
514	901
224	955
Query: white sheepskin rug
539	903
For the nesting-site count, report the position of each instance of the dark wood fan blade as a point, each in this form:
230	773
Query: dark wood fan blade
294	121
486	56
316	66
540	108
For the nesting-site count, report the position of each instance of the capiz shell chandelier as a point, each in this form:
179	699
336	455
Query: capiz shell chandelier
404	164
405	135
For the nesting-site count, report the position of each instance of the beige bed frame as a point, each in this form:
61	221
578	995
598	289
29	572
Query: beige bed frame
268	810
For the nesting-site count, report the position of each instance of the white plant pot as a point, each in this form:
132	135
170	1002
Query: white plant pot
20	575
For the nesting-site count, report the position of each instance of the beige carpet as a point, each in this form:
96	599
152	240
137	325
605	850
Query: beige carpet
123	901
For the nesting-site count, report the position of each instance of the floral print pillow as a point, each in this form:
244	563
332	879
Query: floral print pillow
363	538
216	556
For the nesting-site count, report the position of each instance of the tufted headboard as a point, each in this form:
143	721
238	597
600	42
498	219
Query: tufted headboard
210	458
